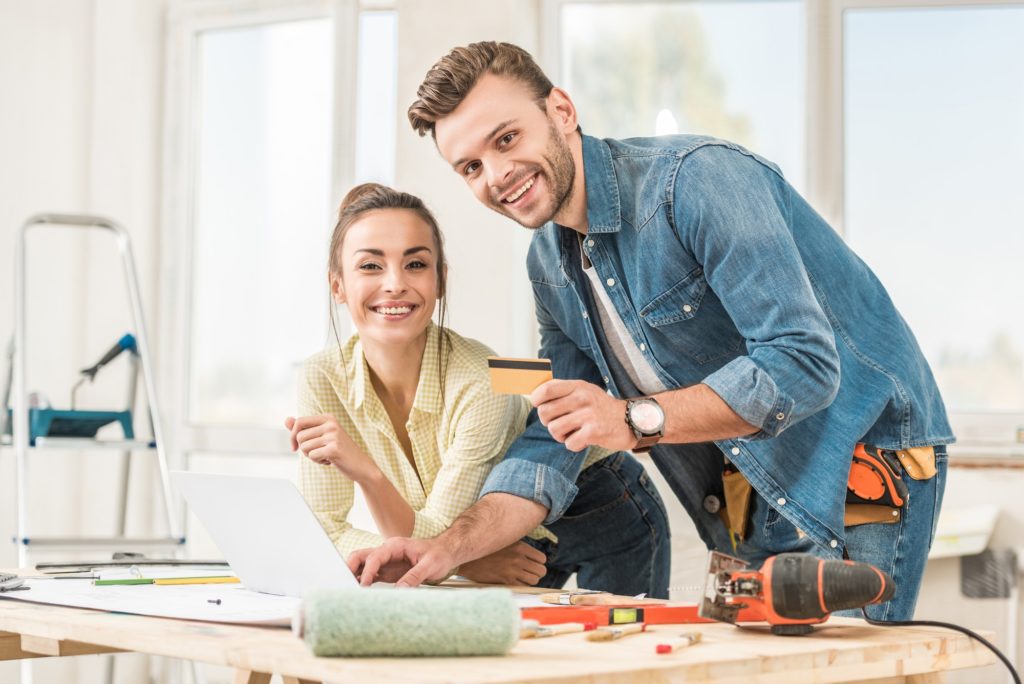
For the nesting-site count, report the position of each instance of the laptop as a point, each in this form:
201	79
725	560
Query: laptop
268	534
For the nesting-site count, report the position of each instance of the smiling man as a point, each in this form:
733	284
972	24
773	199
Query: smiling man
694	306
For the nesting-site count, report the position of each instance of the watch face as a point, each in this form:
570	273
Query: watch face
646	417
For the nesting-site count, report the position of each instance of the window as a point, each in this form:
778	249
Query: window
732	70
376	97
262	197
265	135
911	145
934	152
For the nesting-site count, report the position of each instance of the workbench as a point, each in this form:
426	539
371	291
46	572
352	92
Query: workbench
842	650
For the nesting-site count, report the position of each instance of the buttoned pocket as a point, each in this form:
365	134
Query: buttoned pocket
693	319
552	291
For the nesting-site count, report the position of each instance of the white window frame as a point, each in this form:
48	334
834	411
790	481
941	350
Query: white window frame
980	434
186	21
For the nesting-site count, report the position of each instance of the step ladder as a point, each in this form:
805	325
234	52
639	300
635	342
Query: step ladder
28	423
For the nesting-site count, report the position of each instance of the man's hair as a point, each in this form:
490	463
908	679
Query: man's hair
450	80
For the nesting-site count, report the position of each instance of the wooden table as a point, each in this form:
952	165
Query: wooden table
843	650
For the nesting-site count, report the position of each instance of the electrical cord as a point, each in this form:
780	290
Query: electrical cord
947	625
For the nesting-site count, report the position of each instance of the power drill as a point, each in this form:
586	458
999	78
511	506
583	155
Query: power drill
791	591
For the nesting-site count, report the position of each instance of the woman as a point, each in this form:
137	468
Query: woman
404	408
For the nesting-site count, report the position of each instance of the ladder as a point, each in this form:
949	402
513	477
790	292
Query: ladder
25	439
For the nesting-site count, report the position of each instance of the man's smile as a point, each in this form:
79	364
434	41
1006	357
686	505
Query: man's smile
514	195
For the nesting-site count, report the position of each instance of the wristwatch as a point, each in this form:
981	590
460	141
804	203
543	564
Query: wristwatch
646	419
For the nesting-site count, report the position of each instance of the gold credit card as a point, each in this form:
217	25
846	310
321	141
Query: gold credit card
518	376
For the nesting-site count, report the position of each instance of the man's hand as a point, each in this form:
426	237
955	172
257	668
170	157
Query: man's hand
519	563
406	562
322	440
580	414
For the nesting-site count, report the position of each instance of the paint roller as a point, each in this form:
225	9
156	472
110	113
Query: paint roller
408	622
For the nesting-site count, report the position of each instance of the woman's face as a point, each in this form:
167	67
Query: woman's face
388	276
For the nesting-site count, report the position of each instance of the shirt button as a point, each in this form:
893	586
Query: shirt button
833	543
712	504
605	379
780	416
590	243
643	347
781	501
687	308
586	315
611	282
735	451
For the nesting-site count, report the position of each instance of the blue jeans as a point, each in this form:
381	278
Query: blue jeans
900	548
614	535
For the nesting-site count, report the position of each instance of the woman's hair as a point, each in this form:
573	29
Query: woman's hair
361	200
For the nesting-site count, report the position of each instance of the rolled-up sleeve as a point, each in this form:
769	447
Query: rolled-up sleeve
733	212
537	467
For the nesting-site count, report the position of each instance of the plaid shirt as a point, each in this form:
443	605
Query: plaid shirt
456	440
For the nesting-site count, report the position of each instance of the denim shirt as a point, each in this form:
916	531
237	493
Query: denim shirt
724	275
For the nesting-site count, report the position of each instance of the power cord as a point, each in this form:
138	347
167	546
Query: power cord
947	625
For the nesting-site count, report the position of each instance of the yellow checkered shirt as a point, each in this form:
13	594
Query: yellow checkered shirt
455	441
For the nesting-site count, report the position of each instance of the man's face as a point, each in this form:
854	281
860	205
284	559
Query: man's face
513	156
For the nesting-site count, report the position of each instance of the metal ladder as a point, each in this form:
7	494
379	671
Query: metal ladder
22	439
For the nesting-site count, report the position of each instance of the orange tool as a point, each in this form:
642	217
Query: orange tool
792	591
874	478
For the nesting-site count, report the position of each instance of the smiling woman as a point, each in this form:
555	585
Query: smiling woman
403	408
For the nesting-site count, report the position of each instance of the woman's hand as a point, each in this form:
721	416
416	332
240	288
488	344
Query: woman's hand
323	441
519	563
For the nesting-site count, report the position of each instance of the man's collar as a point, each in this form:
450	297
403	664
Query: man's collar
603	214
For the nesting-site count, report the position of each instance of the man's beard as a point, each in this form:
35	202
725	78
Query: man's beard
560	176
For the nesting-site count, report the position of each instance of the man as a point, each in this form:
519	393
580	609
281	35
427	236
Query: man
686	272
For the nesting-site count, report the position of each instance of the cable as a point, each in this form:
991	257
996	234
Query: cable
947	625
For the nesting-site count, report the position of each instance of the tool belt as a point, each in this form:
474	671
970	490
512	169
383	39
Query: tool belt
875	490
875	493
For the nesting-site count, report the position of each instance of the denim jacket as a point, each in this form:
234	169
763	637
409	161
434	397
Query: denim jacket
724	275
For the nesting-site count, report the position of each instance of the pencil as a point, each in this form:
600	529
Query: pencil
197	580
166	580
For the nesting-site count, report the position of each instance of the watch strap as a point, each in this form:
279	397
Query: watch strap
646	442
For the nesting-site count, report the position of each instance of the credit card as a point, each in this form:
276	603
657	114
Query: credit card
518	376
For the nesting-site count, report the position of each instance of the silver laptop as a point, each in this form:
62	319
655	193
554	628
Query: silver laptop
266	531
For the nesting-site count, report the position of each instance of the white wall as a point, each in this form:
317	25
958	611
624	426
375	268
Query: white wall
81	86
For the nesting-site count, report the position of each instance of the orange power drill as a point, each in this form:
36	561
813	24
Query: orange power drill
791	591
